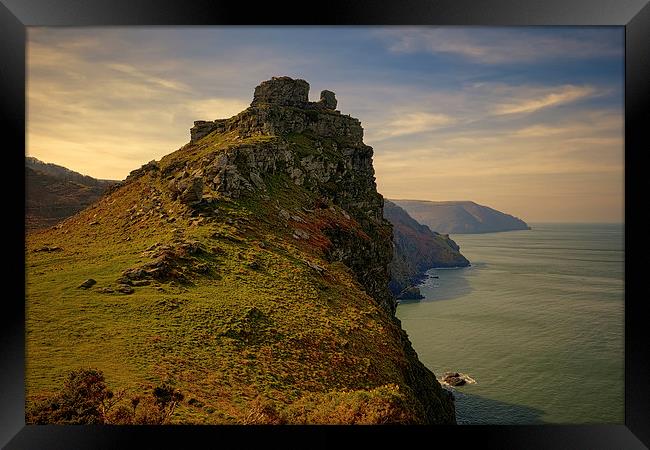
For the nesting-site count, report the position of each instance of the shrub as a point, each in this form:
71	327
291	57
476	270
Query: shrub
167	398
121	415
264	412
85	399
381	405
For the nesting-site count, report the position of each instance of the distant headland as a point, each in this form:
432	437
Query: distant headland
460	217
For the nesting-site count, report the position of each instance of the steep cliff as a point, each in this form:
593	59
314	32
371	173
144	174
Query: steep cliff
249	268
416	250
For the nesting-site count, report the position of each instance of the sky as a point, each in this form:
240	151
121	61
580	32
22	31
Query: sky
525	120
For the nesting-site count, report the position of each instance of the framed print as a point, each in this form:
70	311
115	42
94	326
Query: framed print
241	223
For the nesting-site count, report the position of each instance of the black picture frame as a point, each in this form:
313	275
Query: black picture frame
634	15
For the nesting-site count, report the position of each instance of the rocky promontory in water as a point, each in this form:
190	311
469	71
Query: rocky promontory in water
461	217
247	271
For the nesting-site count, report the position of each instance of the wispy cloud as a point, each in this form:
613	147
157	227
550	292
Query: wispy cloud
412	123
497	46
587	124
148	79
554	97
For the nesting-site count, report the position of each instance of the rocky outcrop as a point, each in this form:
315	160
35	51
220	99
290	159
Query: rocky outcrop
409	293
416	250
283	203
456	379
315	147
283	136
328	100
284	91
280	106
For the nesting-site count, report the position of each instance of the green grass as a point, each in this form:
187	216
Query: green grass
261	325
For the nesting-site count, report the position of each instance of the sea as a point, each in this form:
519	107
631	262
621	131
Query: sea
537	322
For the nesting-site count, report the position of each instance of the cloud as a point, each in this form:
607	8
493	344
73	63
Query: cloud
529	166
556	96
412	123
588	124
105	101
494	46
148	79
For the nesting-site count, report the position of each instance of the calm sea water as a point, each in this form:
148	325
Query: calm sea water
537	321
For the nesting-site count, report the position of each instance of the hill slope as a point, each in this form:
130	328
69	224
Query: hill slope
460	217
249	269
54	193
416	250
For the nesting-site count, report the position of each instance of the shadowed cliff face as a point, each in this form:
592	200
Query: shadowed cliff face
254	261
416	250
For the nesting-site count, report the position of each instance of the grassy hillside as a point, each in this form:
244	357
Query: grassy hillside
247	305
54	193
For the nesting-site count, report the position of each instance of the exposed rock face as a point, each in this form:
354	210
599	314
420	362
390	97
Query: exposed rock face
281	106
410	293
417	249
340	169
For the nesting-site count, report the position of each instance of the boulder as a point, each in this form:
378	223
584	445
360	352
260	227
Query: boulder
125	289
300	234
194	192
328	99
87	284
453	379
48	249
283	91
257	181
315	266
